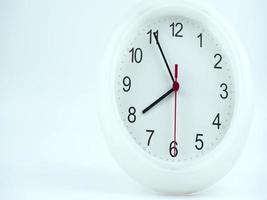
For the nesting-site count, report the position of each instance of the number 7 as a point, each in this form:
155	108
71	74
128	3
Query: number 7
151	134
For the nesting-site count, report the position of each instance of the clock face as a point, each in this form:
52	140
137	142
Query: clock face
174	88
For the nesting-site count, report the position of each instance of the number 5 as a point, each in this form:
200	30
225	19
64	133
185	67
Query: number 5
200	142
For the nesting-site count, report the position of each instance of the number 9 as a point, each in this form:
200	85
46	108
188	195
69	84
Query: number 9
127	83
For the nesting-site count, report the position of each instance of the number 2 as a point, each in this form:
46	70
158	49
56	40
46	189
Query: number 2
218	62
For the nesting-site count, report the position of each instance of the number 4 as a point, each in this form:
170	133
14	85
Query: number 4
216	121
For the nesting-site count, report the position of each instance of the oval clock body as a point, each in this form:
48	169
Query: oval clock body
175	96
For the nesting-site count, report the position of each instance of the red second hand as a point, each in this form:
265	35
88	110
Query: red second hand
175	88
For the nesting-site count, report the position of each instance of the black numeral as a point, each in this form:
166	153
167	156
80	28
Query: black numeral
173	149
218	62
127	84
216	121
199	141
131	116
136	55
224	89
150	136
150	35
200	39
176	29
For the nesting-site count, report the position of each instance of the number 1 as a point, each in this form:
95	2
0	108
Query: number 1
200	39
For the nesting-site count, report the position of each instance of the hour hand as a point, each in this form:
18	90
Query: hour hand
157	101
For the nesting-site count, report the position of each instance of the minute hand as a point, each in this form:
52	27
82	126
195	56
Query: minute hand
157	101
162	54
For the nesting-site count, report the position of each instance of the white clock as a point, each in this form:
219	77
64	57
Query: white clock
175	96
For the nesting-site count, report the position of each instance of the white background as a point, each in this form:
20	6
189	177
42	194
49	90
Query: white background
51	146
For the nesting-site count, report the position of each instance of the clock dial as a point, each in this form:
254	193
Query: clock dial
174	88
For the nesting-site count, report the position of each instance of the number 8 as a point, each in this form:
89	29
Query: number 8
131	116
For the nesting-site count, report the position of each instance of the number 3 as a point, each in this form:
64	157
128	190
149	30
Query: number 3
225	87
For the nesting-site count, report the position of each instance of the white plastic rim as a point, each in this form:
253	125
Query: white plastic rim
188	176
